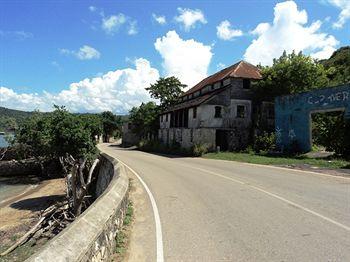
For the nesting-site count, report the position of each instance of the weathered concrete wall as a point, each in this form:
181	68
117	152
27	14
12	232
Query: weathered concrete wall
293	114
91	237
188	137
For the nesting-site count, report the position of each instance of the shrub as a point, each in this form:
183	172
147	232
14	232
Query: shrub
199	149
264	142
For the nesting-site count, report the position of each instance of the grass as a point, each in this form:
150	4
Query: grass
122	236
279	160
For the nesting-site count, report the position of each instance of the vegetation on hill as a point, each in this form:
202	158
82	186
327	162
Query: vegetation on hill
10	118
338	66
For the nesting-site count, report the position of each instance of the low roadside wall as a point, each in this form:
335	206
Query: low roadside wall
91	237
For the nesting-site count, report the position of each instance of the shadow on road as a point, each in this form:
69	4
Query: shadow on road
135	148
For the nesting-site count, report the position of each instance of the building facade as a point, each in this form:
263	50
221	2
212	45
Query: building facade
217	112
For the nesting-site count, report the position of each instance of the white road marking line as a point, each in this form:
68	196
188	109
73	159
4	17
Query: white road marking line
280	168
275	196
159	238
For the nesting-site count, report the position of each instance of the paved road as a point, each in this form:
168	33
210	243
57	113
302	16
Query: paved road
212	210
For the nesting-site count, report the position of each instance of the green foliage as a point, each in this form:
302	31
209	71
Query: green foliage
199	149
332	131
10	118
167	90
290	74
110	124
145	119
338	66
69	134
93	123
55	134
264	142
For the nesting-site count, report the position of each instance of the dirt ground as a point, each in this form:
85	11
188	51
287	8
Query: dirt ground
19	214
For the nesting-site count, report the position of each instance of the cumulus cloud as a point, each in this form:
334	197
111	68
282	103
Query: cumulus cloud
289	31
113	23
84	53
344	16
160	19
190	17
225	32
117	91
186	59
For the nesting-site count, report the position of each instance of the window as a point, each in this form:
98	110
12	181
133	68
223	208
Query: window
195	112
246	83
218	112
240	111
166	117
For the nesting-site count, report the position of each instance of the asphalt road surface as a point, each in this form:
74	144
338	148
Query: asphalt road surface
213	210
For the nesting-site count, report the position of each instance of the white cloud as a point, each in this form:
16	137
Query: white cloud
261	28
92	8
225	32
9	98
186	59
190	17
132	30
117	91
344	6
84	53
113	23
17	35
220	66
289	32
160	19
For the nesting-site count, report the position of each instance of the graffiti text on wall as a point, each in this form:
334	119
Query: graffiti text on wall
322	99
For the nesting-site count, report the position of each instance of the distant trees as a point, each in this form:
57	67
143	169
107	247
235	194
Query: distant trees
144	119
110	124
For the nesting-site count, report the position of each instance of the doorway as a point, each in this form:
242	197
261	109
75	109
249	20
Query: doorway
221	139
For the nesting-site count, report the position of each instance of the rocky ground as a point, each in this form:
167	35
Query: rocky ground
19	213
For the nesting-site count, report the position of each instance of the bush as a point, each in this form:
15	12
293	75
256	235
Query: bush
264	142
55	134
199	149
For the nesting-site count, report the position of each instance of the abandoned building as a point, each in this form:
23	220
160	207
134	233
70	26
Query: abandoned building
218	111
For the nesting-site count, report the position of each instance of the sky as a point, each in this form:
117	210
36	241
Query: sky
92	56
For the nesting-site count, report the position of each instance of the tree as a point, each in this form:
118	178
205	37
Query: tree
167	90
53	135
110	124
93	122
290	74
144	119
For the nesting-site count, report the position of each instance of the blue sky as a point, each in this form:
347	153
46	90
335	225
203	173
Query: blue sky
100	55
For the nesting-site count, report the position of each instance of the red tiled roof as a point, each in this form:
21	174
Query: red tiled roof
193	102
241	69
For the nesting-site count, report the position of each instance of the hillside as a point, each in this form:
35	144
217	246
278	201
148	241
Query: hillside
11	118
338	66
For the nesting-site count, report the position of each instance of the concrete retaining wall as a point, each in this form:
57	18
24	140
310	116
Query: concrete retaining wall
91	237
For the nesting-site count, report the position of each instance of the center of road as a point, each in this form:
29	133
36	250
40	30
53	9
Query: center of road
273	195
